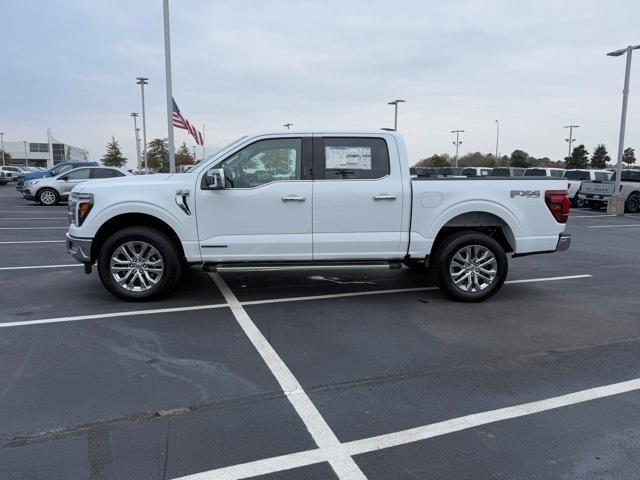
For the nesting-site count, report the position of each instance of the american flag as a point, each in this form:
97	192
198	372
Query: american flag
181	122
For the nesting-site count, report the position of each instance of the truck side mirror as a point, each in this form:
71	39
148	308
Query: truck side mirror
213	179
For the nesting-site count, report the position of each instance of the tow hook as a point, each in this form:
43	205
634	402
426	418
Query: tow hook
87	268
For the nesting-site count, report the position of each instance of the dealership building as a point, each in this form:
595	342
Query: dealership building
37	154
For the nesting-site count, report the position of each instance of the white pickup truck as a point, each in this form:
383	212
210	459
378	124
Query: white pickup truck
596	194
312	198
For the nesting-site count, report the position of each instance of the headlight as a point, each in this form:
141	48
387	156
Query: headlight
79	206
28	183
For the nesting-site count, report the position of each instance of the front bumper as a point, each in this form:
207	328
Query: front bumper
79	248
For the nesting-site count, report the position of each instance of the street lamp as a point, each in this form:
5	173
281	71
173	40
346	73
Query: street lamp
142	81
2	146
26	155
136	130
623	116
288	125
457	143
570	139
167	69
497	139
395	117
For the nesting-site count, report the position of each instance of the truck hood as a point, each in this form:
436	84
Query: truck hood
131	181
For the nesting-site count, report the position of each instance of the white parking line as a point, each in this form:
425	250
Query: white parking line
343	465
32	241
35	267
412	435
33	228
615	226
34	218
23	323
112	315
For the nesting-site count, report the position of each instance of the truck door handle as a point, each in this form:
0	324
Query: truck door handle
294	198
384	196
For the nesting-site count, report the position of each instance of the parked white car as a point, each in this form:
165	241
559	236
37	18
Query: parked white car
49	191
312	198
12	172
576	176
544	172
596	194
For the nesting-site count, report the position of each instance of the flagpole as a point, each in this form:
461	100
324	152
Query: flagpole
203	140
167	64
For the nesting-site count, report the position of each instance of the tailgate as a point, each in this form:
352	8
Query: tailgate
595	189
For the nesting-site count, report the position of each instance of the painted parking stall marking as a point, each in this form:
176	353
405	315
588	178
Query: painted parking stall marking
403	437
25	323
343	465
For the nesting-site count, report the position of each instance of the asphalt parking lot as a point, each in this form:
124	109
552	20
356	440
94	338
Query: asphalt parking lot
320	374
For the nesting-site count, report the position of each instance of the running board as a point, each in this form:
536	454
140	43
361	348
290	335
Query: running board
213	267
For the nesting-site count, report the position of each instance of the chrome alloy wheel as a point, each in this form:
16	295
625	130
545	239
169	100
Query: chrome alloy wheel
48	197
473	268
136	266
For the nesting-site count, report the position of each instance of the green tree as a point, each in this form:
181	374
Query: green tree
435	161
477	159
7	157
158	155
519	158
184	156
629	156
579	158
600	157
113	156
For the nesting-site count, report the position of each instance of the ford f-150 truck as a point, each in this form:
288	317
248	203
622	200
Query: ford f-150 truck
312	198
596	194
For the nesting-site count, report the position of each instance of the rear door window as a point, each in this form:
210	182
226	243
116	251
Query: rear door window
354	158
105	173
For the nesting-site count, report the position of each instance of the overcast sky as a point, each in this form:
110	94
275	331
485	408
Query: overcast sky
254	65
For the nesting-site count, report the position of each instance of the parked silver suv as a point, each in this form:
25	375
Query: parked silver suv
51	190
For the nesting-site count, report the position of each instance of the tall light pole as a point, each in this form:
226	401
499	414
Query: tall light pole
395	116
2	146
142	81
457	143
288	125
194	153
623	116
570	139
167	67
26	155
497	139
135	130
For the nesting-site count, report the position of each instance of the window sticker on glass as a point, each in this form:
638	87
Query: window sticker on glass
354	158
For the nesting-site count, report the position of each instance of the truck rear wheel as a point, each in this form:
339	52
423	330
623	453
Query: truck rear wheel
471	266
139	264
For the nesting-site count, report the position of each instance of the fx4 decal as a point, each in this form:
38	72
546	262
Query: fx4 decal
525	193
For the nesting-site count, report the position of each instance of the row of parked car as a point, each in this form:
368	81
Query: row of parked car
587	187
49	187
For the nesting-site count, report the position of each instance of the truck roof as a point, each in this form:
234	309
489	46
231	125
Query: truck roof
326	131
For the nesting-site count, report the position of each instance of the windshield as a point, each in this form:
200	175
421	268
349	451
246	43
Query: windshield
627	176
60	169
535	172
576	175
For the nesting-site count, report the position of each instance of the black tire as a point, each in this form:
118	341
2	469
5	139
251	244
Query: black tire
168	252
451	246
47	197
579	202
632	205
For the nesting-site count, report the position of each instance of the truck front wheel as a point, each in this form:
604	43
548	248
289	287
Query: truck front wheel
471	266
139	264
